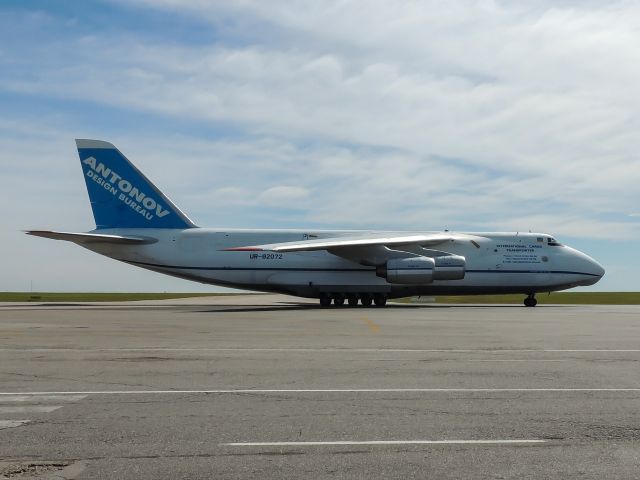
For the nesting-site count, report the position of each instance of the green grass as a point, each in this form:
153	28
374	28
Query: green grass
96	297
584	298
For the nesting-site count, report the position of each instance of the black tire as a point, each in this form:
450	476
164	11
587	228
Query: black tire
325	301
380	299
530	302
338	300
366	300
352	300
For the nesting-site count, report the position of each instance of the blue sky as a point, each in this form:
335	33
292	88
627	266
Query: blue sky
467	115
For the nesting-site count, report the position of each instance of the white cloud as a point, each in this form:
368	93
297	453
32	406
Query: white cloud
283	196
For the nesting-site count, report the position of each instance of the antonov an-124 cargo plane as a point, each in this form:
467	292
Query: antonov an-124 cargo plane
137	224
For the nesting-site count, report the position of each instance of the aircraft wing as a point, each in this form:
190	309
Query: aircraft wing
350	242
82	238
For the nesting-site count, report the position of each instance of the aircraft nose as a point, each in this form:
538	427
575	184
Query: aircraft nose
590	267
597	268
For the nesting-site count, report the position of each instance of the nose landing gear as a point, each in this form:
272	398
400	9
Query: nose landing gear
530	301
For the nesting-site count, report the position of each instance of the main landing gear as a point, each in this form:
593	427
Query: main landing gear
325	301
530	301
366	299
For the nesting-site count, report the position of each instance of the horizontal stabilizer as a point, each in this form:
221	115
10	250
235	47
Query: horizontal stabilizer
83	238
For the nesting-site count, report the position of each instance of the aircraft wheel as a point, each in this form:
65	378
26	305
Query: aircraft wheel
530	301
380	299
338	300
366	300
325	300
352	300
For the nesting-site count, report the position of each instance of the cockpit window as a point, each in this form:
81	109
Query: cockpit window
552	242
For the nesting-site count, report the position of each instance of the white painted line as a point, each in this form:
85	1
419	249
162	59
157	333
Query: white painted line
30	409
326	350
385	442
508	360
328	390
12	423
591	350
43	398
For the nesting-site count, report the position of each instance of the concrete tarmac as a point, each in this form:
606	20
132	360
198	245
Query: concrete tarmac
272	387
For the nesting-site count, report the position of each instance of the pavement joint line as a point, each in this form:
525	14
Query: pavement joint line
327	390
328	350
385	442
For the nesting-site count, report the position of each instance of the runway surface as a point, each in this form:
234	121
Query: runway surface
269	387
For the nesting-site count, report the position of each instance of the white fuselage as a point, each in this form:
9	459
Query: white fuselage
495	263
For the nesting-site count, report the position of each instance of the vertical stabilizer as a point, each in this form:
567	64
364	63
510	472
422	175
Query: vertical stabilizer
121	196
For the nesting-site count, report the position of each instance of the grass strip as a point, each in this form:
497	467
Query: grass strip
580	298
96	296
557	298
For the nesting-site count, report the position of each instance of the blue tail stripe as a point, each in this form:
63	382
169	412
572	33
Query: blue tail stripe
121	196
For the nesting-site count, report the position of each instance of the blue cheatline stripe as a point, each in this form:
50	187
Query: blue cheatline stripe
294	269
567	272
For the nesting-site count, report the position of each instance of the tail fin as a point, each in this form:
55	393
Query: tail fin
121	196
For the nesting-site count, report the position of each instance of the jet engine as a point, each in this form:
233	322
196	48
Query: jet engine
421	270
408	270
449	267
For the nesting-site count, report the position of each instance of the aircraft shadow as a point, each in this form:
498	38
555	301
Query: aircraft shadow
307	306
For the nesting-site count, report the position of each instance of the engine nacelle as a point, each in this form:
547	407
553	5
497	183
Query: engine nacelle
449	267
415	270
421	270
